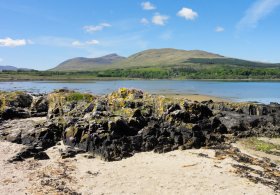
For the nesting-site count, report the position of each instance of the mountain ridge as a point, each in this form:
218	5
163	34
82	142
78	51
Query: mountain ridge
12	68
7	67
86	63
165	57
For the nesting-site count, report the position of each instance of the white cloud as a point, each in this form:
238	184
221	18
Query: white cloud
100	27
258	10
67	42
1	60
187	13
148	6
160	19
144	21
77	43
219	29
105	24
92	42
86	43
8	42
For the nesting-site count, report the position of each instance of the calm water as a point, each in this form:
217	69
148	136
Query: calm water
264	92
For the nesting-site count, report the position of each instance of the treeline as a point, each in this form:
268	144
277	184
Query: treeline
191	73
154	73
232	62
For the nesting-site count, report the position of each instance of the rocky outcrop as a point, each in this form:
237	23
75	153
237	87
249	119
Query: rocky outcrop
39	106
244	119
127	121
17	105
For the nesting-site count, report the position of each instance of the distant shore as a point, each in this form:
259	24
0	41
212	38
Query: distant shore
28	78
100	75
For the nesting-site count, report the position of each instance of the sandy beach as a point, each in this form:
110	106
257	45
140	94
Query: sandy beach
177	172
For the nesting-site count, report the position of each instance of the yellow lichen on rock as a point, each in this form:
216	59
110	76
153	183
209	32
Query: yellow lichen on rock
2	102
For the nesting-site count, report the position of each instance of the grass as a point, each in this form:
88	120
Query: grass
76	96
7	97
259	145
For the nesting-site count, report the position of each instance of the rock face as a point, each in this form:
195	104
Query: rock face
127	121
243	119
22	105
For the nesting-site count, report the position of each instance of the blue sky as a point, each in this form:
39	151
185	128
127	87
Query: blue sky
41	34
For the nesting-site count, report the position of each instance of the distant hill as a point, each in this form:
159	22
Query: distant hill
161	59
13	68
81	64
157	64
152	57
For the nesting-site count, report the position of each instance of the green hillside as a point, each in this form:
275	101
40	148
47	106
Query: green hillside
148	58
159	58
154	64
163	57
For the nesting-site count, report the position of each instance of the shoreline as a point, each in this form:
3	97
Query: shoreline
136	79
189	96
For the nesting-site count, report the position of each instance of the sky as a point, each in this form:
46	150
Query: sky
41	34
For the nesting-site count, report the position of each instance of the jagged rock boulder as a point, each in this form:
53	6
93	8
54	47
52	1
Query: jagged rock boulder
15	105
13	112
40	106
128	121
22	100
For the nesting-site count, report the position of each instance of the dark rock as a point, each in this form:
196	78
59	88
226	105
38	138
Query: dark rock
180	115
12	113
89	108
70	152
24	154
172	108
41	156
22	100
40	107
16	158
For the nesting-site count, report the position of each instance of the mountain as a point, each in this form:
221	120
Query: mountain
80	64
163	59
152	57
11	68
